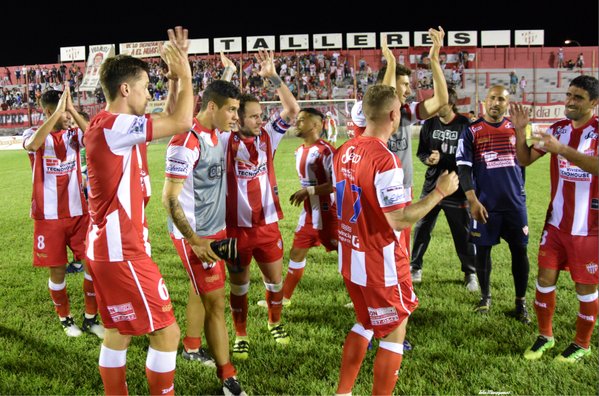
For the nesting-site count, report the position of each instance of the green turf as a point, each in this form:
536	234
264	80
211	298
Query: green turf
456	352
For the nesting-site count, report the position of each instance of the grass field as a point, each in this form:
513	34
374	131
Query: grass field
455	351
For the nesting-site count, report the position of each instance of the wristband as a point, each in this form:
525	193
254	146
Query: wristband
437	189
275	81
311	190
228	73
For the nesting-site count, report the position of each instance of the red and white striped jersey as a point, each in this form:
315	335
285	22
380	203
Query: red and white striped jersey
56	166
252	192
118	180
369	182
574	205
314	165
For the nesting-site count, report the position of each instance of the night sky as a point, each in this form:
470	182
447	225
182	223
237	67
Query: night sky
37	37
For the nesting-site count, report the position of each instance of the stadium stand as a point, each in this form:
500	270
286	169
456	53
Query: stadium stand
340	77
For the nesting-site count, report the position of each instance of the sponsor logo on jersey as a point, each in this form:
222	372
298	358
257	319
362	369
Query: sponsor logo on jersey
56	167
392	195
215	171
445	135
262	146
397	143
349	155
508	124
177	167
476	128
246	170
382	316
138	126
122	312
592	268
513	140
561	130
571	172
590	133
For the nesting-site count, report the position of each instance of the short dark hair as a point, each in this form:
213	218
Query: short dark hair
400	70
452	99
589	84
50	98
313	111
243	99
218	92
119	69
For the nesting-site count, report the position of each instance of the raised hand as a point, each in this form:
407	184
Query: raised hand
437	37
519	116
267	64
229	67
174	53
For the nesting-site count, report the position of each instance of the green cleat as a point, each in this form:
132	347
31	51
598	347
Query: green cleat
573	353
241	348
541	345
279	334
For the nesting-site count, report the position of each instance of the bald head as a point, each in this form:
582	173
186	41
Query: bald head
496	103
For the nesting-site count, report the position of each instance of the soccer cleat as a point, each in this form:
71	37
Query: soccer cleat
74	267
416	275
241	348
573	353
537	349
279	334
264	304
407	346
484	306
522	312
92	326
201	356
232	387
70	328
471	283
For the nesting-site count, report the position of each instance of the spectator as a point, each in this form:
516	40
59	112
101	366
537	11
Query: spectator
513	82
522	87
580	61
560	58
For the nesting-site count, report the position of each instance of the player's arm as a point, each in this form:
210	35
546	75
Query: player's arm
267	70
39	136
464	158
440	98
229	67
390	78
174	54
519	117
301	195
70	107
405	217
548	142
170	200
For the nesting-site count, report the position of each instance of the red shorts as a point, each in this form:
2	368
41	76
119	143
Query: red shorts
561	251
264	243
307	237
132	296
205	277
382	309
51	238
